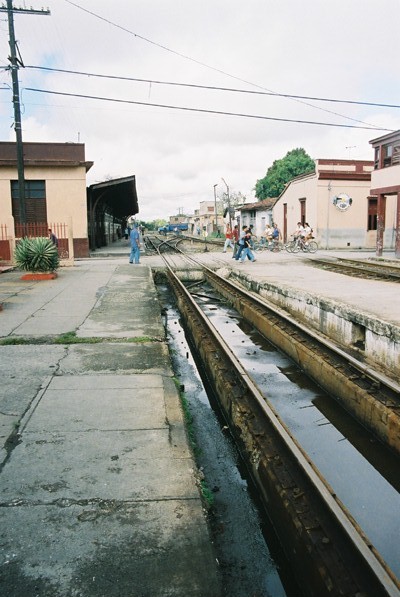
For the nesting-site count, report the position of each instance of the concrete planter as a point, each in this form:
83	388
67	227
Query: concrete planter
39	276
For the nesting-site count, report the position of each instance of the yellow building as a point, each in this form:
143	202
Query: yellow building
56	197
55	192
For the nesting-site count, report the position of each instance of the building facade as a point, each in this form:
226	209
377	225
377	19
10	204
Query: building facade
337	201
207	219
257	215
385	186
55	190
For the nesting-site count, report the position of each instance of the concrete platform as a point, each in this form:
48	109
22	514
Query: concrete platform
98	485
99	492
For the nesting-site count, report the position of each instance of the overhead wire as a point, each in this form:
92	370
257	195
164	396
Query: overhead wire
212	87
181	55
205	111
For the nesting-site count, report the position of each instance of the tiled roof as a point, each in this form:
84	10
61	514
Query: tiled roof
260	205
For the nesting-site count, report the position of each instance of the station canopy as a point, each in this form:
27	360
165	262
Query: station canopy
117	197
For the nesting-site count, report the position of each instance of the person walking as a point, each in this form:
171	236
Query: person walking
235	240
241	243
134	256
246	251
228	238
53	237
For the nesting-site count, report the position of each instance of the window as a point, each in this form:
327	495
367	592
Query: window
396	155
377	157
372	214
387	155
211	209
35	201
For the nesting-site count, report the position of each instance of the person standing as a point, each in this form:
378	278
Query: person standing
135	245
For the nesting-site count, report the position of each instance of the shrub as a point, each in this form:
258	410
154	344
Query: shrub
36	255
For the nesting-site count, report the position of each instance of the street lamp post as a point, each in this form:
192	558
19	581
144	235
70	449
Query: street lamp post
215	207
229	202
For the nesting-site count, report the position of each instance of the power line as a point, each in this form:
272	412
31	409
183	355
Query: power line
204	111
204	64
214	87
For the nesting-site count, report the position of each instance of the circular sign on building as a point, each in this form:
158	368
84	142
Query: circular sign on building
342	201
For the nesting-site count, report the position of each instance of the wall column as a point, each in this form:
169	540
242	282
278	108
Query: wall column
380	224
397	224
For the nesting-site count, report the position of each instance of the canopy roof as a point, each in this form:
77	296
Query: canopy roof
117	197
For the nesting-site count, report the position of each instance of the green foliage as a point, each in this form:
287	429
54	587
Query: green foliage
36	255
207	494
295	163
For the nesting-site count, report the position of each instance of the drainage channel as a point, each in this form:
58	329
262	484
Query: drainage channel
251	561
361	471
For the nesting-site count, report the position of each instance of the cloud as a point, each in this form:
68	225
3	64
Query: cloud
177	156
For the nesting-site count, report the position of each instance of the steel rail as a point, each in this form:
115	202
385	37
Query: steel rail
363	269
366	370
360	542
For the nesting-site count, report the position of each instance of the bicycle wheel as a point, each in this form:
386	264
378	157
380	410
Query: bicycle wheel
312	246
296	247
275	247
289	246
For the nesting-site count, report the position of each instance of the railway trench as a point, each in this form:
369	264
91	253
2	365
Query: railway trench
320	554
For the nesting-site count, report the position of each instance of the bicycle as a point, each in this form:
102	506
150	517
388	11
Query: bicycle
63	254
259	245
299	243
275	246
271	245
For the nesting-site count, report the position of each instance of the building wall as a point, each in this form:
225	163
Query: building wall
258	218
385	177
305	187
334	228
337	229
65	198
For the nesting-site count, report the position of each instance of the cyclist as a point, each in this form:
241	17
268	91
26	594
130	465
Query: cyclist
276	234
299	230
267	234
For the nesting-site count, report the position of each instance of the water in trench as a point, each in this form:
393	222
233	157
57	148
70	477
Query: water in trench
362	472
250	559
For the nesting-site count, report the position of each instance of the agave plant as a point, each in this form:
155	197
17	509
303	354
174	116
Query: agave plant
36	255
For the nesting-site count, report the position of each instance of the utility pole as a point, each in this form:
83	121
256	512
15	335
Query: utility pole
16	62
215	208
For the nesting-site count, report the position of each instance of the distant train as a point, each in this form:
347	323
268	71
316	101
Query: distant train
173	228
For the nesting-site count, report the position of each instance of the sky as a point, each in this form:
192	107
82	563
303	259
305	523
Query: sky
344	50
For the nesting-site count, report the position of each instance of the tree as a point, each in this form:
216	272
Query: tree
236	199
282	171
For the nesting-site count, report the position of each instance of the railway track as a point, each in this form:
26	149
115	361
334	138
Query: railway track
328	550
360	268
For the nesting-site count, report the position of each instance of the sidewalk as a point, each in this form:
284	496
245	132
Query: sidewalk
98	484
